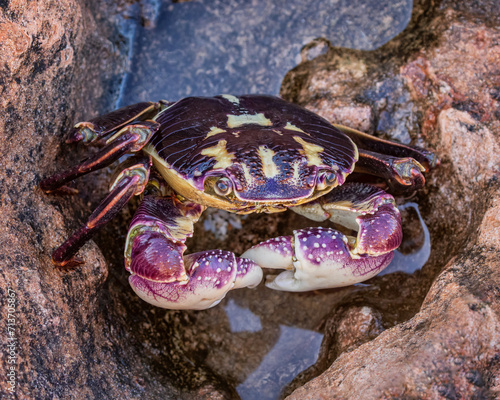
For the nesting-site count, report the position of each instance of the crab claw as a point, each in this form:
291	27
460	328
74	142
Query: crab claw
210	275
320	258
163	276
315	258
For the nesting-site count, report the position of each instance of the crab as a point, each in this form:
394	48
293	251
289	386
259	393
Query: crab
243	154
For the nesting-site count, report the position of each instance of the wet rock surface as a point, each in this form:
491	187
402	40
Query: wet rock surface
239	46
84	334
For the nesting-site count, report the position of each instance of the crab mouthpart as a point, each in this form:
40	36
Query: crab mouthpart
274	191
295	184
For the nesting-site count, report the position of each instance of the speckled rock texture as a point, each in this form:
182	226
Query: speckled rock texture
61	60
442	92
81	334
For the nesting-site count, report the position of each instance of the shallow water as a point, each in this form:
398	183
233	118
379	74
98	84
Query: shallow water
208	47
294	350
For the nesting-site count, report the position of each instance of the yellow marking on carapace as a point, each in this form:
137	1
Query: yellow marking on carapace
249	178
214	131
236	133
235	121
296	171
292	127
182	185
269	168
220	154
311	151
231	98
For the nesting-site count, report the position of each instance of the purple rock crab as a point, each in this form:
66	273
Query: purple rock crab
242	154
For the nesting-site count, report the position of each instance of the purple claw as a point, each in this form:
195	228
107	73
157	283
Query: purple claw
163	276
320	259
210	276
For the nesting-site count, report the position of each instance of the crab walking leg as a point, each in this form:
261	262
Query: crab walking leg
318	258
132	138
93	130
402	174
162	275
131	181
425	157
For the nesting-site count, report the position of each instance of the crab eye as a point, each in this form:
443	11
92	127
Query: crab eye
331	178
325	179
223	186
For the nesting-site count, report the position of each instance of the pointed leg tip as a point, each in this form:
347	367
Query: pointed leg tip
61	191
70	264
